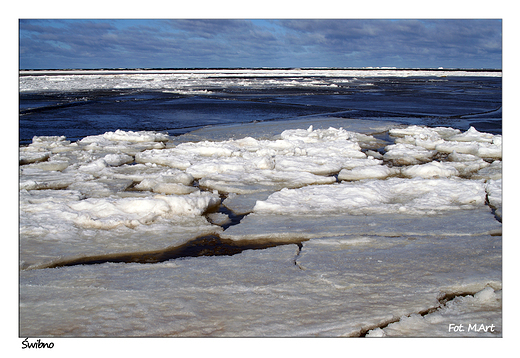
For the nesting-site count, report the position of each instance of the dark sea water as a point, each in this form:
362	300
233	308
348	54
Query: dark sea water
458	102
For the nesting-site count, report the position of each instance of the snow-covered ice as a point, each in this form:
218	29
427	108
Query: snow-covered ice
387	227
393	195
59	225
476	316
202	81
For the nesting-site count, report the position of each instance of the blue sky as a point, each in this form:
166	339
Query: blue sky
163	43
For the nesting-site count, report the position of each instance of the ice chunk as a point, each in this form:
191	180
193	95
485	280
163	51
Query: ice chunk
205	168
253	181
493	171
430	170
116	160
487	150
56	225
392	195
481	149
445	140
27	157
460	147
129	143
54	165
467	169
467	164
350	163
53	241
326	135
494	192
167	157
472	135
48	143
130	136
368	172
95	167
169	181
244	203
101	187
458	157
43	146
374	154
318	166
315	151
218	218
426	143
210	149
131	211
249	165
422	136
165	187
424	132
31	179
408	154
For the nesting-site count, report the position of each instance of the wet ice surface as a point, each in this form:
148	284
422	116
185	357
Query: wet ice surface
333	287
364	252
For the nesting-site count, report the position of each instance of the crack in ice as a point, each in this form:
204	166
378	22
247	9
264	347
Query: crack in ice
443	302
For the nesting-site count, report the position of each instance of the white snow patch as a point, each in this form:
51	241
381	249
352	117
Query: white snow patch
393	195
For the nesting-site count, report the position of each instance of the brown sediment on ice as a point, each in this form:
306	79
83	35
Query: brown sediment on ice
209	245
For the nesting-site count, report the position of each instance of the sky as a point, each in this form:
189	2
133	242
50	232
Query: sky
224	43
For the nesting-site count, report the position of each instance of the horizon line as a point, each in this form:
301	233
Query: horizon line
266	68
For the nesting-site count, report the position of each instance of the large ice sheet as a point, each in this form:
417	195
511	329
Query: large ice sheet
272	129
293	228
335	286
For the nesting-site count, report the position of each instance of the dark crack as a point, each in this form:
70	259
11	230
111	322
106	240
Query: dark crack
210	245
300	247
443	300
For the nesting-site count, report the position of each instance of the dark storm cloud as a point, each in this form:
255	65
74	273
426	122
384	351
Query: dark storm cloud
259	43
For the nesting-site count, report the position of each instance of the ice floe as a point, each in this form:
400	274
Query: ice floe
393	195
298	172
382	231
331	287
59	225
443	140
195	81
